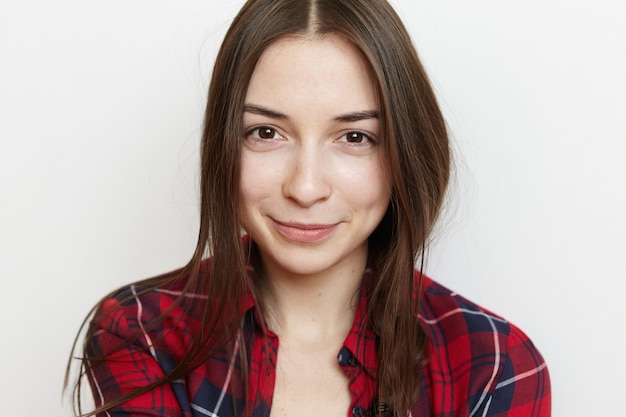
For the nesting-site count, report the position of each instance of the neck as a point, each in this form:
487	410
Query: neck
312	308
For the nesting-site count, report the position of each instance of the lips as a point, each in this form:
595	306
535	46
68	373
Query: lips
305	233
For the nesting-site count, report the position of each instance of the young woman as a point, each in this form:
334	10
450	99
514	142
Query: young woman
325	160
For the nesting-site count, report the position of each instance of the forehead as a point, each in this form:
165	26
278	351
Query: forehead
315	70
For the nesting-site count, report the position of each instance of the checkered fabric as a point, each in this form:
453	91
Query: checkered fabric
479	364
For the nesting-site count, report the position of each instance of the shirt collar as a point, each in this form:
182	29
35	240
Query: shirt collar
360	341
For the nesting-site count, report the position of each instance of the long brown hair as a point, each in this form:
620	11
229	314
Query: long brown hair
415	146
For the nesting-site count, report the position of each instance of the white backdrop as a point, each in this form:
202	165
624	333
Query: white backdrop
100	111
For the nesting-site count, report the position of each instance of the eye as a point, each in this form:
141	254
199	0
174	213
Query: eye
263	133
266	133
356	137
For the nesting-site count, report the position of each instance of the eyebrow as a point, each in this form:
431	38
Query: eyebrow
264	111
348	117
356	116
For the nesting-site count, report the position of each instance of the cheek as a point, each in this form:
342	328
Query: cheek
247	188
367	185
259	178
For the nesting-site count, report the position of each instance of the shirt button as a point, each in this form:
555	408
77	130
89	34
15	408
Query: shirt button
358	411
346	358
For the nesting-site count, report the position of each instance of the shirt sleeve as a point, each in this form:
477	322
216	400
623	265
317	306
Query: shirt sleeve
131	362
522	388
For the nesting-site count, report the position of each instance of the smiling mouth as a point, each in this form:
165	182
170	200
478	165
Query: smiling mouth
305	233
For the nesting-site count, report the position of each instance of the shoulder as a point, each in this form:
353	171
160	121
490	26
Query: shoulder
446	313
152	313
478	355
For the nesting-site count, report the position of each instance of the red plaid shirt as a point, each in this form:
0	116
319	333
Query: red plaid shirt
479	364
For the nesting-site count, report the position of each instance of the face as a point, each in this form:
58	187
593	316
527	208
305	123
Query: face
313	187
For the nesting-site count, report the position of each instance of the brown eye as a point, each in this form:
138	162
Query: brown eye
266	133
356	137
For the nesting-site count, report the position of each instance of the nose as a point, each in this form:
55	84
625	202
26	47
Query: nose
306	181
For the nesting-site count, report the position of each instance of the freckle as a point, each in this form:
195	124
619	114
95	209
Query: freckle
319	294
